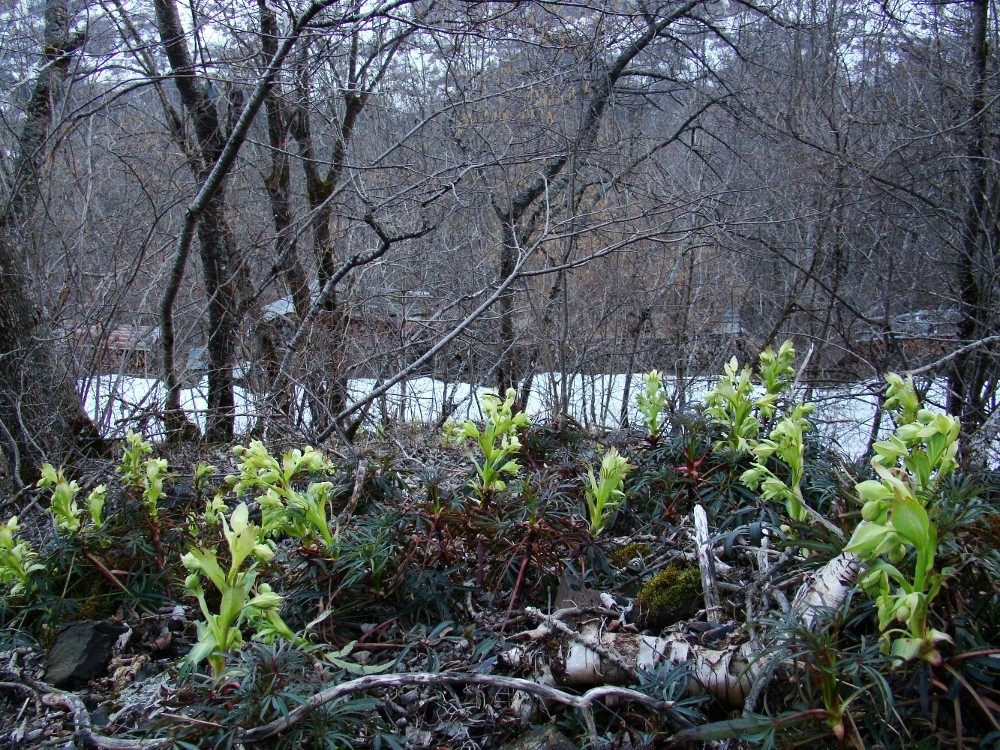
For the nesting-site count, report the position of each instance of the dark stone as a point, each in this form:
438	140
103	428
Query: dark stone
82	651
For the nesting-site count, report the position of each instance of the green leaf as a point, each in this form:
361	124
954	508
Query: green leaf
910	521
907	648
872	489
867	539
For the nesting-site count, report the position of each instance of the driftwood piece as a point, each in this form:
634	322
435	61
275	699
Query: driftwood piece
727	672
352	504
595	656
85	735
827	589
706	564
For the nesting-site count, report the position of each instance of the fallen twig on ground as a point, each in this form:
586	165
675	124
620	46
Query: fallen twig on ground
582	703
83	732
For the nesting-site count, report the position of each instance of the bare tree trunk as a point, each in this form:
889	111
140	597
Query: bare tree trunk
364	72
41	417
214	239
553	179
278	184
326	398
975	368
507	372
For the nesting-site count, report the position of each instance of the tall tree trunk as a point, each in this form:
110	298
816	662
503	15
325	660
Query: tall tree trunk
507	372
975	369
214	238
329	392
41	416
278	184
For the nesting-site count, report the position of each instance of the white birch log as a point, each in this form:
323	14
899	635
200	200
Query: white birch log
827	589
727	673
706	564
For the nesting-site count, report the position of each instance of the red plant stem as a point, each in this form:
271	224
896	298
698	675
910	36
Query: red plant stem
102	569
480	560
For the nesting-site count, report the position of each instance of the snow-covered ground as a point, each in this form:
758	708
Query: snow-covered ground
844	416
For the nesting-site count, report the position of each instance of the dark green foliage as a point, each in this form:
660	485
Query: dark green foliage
550	444
369	552
94	572
267	683
683	469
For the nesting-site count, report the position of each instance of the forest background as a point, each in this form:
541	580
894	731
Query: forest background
287	198
302	209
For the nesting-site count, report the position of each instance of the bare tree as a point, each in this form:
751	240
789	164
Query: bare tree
492	191
975	376
40	411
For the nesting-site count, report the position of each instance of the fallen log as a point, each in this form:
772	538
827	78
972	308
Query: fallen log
595	655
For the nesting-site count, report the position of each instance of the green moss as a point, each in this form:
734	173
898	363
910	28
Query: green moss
669	596
96	606
47	637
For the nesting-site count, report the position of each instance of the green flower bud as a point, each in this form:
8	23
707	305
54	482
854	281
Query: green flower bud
193	584
266	598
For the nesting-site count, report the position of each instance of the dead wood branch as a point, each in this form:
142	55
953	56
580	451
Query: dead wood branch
596	656
706	564
608	656
827	589
352	505
582	703
85	735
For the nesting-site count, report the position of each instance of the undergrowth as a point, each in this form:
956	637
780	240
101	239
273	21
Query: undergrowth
298	575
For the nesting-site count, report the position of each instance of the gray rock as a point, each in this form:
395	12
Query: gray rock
82	652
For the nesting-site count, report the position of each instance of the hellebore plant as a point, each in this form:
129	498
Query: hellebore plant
898	515
498	443
155	469
213	504
283	508
733	404
143	473
95	504
221	631
786	442
16	559
452	433
63	506
605	493
652	403
134	453
776	373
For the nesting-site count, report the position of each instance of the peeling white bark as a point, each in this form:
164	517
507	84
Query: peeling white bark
726	673
596	656
706	565
827	589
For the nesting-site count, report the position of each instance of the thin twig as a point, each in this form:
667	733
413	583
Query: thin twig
352	504
582	703
84	735
706	564
604	652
